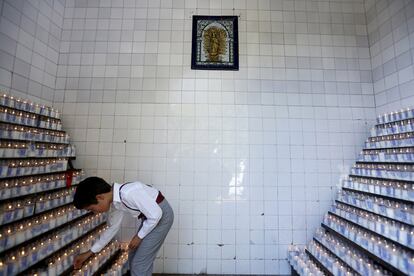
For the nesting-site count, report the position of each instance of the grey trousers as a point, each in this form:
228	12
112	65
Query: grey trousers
141	261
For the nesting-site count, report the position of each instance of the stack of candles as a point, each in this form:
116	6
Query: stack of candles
17	117
389	188
301	263
370	227
18	149
328	260
398	232
119	267
401	155
390	171
53	200
397	256
62	260
26	105
11	188
17	209
13	116
91	266
17	233
22	167
12	149
18	132
396	116
395	128
20	259
353	258
392	209
390	141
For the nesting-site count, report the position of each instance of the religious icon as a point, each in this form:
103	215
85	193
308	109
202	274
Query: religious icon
215	43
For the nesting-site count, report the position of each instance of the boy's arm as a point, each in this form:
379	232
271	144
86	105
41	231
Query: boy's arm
114	222
81	258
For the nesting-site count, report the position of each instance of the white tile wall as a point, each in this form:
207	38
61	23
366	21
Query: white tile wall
29	47
248	159
391	36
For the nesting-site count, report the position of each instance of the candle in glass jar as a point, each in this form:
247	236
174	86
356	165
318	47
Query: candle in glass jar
20	234
12	265
51	268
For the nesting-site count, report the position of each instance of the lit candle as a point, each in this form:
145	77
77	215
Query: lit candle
33	254
24	260
394	256
25	187
20	234
3	267
4	100
28	208
12	266
51	268
60	218
407	263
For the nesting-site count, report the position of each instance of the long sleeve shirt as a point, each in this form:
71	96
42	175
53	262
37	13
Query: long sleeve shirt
131	198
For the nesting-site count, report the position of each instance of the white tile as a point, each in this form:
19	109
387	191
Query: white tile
215	148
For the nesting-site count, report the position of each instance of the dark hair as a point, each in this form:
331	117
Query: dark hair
87	190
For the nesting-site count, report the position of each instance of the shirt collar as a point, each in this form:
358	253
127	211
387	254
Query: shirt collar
115	192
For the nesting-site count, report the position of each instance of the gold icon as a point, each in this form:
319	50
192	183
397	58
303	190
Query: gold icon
215	43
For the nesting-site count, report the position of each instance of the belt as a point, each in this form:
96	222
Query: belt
159	199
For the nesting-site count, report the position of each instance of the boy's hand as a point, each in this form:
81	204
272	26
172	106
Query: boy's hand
81	258
134	243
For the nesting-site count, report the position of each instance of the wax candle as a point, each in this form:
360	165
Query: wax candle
40	204
20	234
60	218
408	264
28	207
5	239
26	185
40	184
12	265
51	268
33	253
24	260
3	267
5	189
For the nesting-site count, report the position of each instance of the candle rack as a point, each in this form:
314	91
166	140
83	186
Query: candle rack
40	230
370	228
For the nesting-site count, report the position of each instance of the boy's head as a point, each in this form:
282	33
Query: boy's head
93	194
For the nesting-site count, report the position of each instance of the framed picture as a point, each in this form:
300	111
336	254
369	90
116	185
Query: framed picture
215	43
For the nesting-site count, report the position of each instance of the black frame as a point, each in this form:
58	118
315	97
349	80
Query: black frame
235	44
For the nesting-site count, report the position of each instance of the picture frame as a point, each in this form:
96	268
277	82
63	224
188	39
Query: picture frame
215	43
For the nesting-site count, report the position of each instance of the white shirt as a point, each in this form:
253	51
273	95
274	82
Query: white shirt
137	198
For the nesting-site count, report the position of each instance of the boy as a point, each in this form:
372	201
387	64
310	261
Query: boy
134	198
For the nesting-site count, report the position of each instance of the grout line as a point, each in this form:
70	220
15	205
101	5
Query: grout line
370	58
